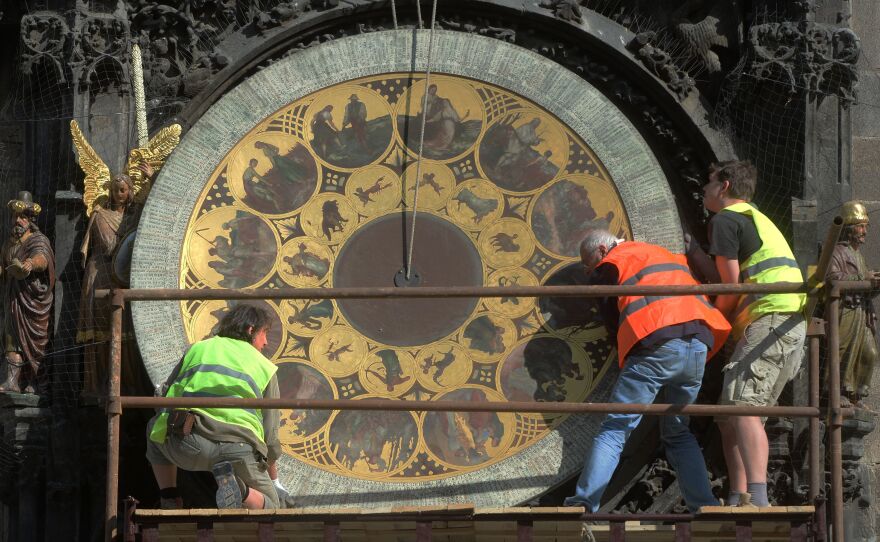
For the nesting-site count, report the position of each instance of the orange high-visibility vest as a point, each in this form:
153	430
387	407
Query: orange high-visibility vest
645	264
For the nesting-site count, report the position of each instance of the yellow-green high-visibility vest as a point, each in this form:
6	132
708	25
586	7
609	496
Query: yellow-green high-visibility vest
773	262
221	367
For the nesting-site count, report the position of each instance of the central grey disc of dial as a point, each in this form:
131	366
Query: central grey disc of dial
375	256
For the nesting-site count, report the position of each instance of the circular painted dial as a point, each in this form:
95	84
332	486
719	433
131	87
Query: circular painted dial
324	192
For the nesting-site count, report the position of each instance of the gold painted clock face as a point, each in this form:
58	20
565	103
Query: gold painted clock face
324	193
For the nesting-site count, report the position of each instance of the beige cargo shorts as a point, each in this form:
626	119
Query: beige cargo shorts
765	358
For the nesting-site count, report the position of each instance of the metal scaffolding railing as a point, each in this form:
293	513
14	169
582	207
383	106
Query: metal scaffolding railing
835	414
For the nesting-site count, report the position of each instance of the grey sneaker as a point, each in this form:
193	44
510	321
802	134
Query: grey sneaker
228	492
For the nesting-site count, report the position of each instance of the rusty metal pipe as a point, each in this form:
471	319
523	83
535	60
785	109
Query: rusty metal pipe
467	406
818	277
854	285
816	470
114	411
835	418
171	294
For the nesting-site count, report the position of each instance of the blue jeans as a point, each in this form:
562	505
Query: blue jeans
675	367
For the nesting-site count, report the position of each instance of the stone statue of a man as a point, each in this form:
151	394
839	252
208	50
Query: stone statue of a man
28	280
858	322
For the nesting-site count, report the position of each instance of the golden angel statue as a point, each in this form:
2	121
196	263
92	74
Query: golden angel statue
112	206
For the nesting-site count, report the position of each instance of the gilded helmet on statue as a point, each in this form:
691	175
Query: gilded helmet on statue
854	212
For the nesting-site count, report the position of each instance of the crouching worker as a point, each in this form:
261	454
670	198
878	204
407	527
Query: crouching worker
663	343
238	445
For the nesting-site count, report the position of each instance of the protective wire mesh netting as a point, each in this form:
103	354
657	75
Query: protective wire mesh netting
765	102
761	110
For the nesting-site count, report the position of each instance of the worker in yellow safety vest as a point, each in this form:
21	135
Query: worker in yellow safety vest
238	445
768	330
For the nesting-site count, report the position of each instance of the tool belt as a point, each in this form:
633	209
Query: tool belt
180	422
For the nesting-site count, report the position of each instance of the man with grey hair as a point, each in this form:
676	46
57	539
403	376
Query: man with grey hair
663	343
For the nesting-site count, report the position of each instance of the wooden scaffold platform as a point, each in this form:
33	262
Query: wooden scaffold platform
464	523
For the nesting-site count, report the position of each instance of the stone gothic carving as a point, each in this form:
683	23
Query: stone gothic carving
661	64
278	15
855	476
103	36
706	28
44	37
780	475
813	57
99	56
567	10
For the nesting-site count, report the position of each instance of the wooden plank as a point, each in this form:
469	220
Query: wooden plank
767	510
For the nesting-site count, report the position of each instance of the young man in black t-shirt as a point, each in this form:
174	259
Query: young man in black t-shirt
768	330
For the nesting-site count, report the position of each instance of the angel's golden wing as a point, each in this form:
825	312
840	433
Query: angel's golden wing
155	154
97	181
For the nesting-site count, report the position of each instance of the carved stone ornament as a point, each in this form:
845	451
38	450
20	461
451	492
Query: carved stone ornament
103	36
706	29
567	10
856	484
44	36
814	57
661	64
278	15
99	40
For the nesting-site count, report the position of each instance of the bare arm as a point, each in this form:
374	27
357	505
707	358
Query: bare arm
701	263
728	270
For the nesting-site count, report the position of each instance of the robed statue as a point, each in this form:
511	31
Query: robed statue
28	278
858	321
113	206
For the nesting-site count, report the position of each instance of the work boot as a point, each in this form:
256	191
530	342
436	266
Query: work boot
745	500
229	494
13	376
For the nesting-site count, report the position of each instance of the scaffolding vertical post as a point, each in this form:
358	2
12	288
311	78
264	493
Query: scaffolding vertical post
114	411
815	332
835	417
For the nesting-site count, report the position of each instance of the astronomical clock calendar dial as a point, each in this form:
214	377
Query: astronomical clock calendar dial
324	193
336	165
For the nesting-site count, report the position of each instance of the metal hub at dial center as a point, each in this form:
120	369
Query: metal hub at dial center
376	255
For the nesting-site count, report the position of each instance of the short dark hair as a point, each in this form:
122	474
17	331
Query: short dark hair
243	321
742	176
